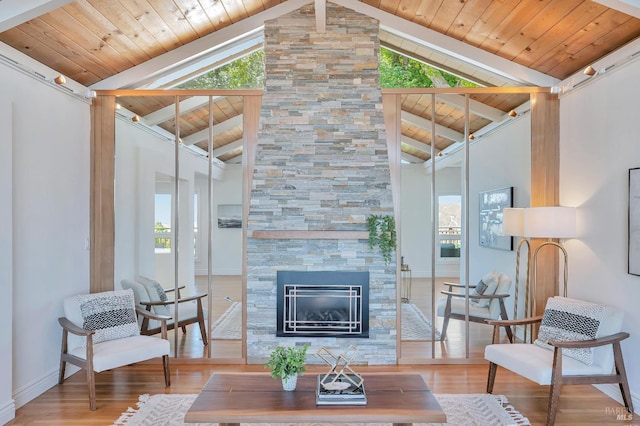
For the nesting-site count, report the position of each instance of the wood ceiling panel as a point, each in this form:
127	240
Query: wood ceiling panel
445	15
427	11
407	9
467	18
483	28
572	22
594	42
90	18
522	14
31	46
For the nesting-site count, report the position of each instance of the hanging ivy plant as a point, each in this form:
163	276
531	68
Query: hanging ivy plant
382	234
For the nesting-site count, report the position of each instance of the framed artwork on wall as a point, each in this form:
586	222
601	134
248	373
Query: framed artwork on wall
634	221
492	205
229	216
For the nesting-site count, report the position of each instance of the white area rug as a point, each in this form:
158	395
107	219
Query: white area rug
415	325
229	325
461	410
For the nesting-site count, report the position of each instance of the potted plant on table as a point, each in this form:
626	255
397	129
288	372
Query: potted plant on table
287	363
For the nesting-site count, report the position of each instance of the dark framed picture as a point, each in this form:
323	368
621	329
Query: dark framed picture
634	221
229	216
492	205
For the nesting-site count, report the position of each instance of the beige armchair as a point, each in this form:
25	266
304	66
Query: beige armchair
100	332
151	296
489	305
578	343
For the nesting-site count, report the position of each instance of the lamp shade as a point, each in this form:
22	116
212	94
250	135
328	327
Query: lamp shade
550	222
513	221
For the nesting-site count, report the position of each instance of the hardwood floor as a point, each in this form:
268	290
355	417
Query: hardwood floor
119	389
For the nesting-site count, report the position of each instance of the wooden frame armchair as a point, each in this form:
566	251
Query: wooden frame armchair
557	367
92	342
151	297
452	305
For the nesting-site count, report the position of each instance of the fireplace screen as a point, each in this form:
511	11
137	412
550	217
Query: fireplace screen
323	303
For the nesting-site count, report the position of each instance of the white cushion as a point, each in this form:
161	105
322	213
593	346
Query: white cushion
457	307
156	294
491	282
535	363
129	350
504	287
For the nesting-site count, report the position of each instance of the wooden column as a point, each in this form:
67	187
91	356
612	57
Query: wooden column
545	182
102	221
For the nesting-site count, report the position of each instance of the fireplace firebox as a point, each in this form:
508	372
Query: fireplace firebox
323	303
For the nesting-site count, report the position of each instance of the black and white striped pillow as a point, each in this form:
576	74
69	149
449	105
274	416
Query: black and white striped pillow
111	314
570	320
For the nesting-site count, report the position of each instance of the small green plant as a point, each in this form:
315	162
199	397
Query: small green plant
287	361
382	234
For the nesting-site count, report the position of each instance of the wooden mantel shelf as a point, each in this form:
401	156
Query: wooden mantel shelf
310	235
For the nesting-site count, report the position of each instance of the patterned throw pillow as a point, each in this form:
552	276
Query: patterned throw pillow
570	320
111	314
487	285
156	294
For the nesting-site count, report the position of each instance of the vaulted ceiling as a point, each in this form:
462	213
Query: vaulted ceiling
156	44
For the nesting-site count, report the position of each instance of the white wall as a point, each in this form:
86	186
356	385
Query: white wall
598	145
227	243
415	222
49	156
7	405
141	156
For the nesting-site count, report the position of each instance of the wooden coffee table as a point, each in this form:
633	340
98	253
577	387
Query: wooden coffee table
231	399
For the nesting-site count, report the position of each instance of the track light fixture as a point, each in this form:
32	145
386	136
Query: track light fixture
60	79
513	113
471	137
590	71
135	119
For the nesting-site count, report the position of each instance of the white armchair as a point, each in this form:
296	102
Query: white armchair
578	343
100	332
485	304
151	296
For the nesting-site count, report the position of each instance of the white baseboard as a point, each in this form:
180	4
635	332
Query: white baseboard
39	386
35	388
7	411
613	391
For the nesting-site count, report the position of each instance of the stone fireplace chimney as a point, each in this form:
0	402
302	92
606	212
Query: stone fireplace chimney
321	165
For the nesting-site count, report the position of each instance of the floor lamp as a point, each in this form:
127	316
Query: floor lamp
552	222
513	224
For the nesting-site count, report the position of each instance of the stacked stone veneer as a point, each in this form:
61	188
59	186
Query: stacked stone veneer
321	164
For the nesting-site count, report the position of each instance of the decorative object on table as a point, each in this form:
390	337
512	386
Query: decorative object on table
634	222
287	363
340	385
382	234
492	204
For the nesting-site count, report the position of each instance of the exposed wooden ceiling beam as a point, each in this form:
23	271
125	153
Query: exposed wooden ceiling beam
425	124
411	158
475	107
419	145
168	113
16	12
203	135
225	149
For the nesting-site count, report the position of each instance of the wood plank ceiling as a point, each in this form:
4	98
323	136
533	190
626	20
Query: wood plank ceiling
90	41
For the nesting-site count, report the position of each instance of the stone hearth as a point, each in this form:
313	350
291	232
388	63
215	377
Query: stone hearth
321	165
